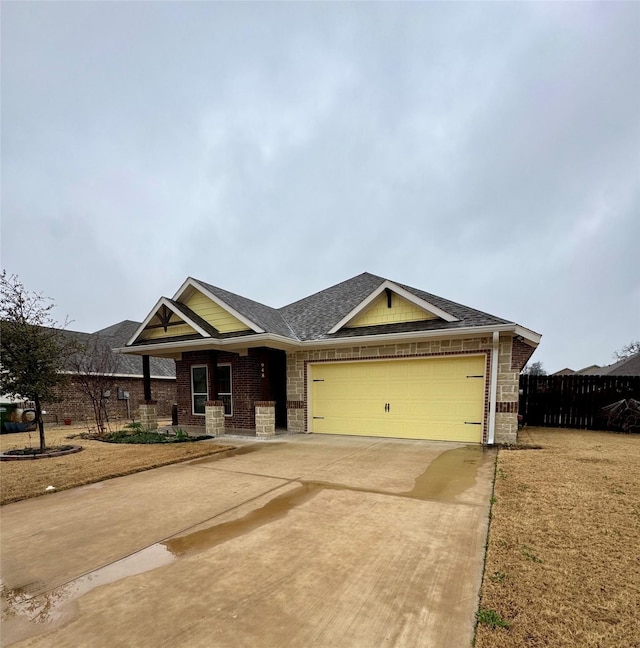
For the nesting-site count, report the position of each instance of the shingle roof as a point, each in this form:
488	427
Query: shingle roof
313	317
117	335
627	367
267	318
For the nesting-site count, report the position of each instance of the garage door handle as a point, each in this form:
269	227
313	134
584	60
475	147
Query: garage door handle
387	407
472	423
318	417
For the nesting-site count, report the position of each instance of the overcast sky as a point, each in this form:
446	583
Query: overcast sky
488	153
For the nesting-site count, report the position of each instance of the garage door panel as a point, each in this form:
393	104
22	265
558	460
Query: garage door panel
428	398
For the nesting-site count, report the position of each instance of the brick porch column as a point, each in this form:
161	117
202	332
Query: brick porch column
148	415
265	419
214	418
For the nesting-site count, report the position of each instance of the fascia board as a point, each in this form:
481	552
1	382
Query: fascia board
163	301
530	336
240	342
193	283
287	344
142	326
410	297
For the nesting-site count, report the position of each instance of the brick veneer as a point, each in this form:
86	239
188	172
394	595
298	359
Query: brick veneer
77	406
245	380
520	354
506	425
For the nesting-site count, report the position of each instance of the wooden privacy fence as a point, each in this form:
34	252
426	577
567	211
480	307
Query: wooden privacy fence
573	401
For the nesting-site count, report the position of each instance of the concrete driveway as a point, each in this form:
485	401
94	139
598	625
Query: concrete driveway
302	541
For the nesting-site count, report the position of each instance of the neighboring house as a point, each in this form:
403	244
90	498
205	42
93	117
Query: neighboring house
564	372
628	367
126	371
367	356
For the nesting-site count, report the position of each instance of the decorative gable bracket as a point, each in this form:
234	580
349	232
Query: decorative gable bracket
164	309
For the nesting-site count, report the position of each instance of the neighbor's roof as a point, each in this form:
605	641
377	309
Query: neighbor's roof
117	335
313	317
627	367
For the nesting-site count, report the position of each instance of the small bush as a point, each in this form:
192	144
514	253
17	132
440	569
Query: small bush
146	437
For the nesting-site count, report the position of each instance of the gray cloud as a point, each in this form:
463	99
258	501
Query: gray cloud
489	153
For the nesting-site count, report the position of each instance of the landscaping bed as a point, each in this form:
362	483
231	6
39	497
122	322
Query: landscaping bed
98	461
562	556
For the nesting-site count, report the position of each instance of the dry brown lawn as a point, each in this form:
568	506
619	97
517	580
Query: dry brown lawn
98	461
563	558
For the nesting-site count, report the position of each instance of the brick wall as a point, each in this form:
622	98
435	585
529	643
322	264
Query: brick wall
77	406
245	381
507	392
520	355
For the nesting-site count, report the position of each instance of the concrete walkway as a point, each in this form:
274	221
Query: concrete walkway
301	541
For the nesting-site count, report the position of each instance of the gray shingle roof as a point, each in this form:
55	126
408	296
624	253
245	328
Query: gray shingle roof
312	317
117	335
267	318
628	367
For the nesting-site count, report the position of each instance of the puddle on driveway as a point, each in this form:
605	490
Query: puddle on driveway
449	474
23	615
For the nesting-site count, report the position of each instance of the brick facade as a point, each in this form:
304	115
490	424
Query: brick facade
77	406
247	376
520	355
245	379
506	425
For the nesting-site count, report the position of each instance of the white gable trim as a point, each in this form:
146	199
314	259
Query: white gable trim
163	301
410	297
192	283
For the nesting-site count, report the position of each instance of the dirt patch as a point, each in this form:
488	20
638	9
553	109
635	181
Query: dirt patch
562	558
98	461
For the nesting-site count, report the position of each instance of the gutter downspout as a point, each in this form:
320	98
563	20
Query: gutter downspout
493	387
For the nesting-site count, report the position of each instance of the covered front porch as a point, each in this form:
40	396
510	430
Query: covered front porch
225	393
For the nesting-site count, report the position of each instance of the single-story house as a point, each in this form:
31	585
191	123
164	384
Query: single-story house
367	356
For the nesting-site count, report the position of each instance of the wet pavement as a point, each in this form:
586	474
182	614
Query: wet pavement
302	541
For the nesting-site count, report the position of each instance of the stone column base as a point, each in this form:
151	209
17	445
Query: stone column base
214	418
148	415
265	419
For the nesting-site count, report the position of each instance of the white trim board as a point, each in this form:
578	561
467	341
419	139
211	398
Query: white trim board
405	294
190	282
163	301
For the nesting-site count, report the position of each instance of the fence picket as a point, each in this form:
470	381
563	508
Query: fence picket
573	401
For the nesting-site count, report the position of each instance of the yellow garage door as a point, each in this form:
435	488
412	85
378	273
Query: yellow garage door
438	398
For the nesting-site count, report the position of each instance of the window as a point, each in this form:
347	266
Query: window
224	388
199	388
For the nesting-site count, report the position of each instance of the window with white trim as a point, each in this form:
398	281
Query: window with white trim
225	390
199	388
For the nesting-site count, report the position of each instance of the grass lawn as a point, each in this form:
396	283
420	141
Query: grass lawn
563	557
29	478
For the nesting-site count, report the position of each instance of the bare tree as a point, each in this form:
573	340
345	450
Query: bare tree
94	367
534	369
34	349
627	350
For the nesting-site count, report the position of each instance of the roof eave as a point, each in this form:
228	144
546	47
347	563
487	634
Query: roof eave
288	344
